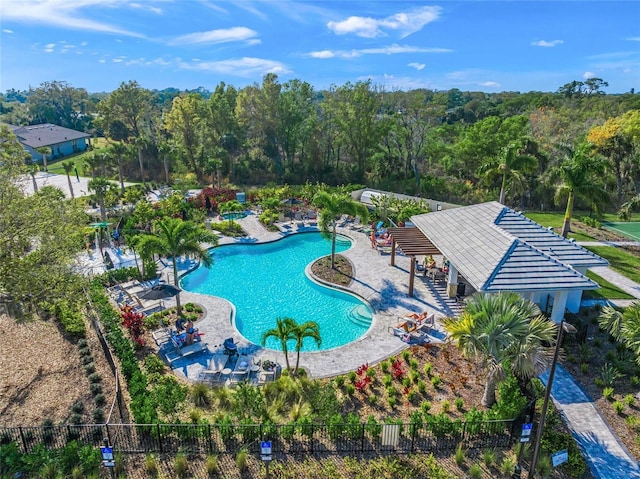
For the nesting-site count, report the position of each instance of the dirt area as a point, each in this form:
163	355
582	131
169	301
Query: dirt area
43	375
341	274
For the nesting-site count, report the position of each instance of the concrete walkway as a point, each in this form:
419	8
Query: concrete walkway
619	280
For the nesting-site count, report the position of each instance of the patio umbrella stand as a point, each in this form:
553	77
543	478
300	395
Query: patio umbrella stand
160	291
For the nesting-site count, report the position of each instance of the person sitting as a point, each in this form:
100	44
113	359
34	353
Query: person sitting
429	262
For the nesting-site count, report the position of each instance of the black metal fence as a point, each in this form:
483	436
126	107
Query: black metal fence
285	439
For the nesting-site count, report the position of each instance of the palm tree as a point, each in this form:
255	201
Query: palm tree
332	206
172	238
100	186
119	150
580	179
93	161
232	207
33	168
510	165
44	151
284	331
503	330
624	326
308	329
68	166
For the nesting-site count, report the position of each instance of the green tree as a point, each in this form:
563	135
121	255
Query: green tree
232	207
44	151
510	166
308	329
580	179
332	206
100	187
184	122
59	103
68	168
503	330
283	332
172	238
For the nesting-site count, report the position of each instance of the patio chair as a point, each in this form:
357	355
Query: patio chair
161	336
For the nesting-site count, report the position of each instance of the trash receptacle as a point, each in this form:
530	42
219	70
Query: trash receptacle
461	289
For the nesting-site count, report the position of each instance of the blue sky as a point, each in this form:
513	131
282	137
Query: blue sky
470	45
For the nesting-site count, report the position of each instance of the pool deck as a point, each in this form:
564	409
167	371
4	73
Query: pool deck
384	287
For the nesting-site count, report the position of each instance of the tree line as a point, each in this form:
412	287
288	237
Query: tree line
450	145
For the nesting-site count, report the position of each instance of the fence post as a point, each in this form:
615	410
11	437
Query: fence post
24	441
107	434
159	438
209	439
362	441
412	428
312	437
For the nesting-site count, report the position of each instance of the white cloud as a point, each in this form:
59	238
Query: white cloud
322	54
150	8
634	39
587	75
544	43
102	60
235	34
6	30
389	50
84	44
417	66
117	60
492	84
48	48
62	13
405	23
244	67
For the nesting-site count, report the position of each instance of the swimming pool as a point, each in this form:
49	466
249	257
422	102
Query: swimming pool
267	281
234	216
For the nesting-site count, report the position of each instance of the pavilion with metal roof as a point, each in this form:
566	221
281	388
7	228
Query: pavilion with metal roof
498	249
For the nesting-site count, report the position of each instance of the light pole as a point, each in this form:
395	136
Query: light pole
563	327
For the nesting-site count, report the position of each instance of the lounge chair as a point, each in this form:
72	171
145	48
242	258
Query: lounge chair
161	336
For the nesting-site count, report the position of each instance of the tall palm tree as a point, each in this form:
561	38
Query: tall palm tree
44	151
503	330
68	166
33	168
172	238
308	329
510	166
580	179
232	206
119	150
93	162
284	331
100	187
332	206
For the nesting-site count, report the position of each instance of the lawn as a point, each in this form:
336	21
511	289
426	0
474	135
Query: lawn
78	160
606	291
555	220
620	260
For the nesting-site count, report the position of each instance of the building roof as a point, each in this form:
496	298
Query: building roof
47	134
496	249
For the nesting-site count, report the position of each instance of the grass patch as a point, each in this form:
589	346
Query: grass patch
620	260
78	160
607	290
555	220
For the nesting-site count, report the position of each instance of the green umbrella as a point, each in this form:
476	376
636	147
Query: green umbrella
102	224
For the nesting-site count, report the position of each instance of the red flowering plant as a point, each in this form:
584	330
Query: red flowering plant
362	369
361	384
132	320
396	369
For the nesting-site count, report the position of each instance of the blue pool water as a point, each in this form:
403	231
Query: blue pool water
267	281
234	216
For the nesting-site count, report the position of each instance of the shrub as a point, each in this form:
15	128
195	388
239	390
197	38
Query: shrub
373	399
195	415
489	457
609	373
95	388
507	466
385	365
71	318
411	395
391	391
460	455
425	407
406	355
89	368
75	418
339	381
87	359
181	465
392	401
630	400
435	381
352	377
153	364
387	380
446	405
95	378
427	369
98	416
635	380
211	465
406	382
632	421
373	427
414	376
100	399
459	404
84	351
608	393
413	364
371	373
618	407
351	389
242	460
584	367
475	471
81	343
422	386
78	407
200	395
151	465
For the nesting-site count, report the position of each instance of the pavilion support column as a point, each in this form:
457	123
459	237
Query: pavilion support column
452	282
559	305
412	275
393	252
575	297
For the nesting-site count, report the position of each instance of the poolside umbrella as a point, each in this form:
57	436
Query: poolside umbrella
160	291
102	224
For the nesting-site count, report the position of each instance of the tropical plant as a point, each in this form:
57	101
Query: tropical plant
580	179
172	238
623	326
332	206
100	187
44	151
68	166
308	329
504	330
283	332
510	166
